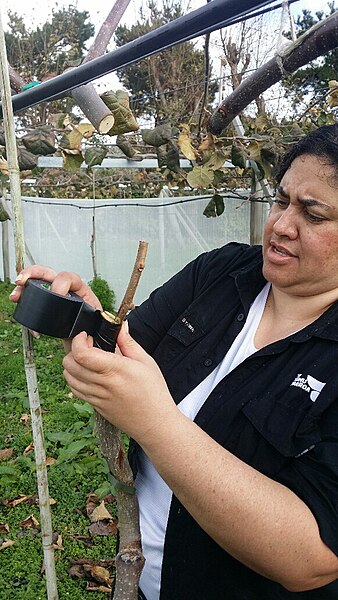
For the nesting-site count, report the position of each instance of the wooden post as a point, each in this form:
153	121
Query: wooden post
256	212
5	251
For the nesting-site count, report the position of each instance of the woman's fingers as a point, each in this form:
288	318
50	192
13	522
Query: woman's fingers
83	355
34	271
66	281
61	283
129	347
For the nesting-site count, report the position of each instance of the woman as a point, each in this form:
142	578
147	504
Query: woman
232	398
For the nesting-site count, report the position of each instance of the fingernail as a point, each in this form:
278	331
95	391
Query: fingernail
35	334
126	326
19	277
13	293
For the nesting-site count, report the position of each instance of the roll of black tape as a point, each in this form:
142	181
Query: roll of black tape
45	311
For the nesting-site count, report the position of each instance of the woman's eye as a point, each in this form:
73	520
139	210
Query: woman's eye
313	218
281	203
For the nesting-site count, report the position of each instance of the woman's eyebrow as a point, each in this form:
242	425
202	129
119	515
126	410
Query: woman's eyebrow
305	201
282	192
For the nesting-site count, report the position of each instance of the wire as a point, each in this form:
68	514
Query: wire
138	204
196	23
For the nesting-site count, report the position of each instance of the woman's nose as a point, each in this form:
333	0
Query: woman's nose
286	224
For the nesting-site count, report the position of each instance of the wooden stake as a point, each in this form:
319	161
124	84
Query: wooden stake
28	350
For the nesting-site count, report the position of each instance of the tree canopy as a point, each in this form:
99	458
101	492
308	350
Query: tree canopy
168	85
45	51
310	83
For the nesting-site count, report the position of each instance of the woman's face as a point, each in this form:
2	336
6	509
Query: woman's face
300	246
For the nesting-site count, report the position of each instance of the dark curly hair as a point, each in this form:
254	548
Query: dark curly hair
322	142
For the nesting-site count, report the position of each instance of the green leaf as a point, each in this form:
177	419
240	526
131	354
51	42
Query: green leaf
173	157
26	159
125	146
8	470
253	151
70	452
103	490
83	409
219	177
72	162
95	155
158	136
40	141
63	437
161	152
219	203
118	104
200	177
269	152
238	156
267	168
261	170
215	206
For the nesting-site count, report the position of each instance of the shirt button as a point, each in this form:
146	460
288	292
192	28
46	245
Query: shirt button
240	317
208	362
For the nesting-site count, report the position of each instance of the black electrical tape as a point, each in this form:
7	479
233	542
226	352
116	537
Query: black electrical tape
106	335
45	311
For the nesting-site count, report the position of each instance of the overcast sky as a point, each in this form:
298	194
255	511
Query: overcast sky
37	10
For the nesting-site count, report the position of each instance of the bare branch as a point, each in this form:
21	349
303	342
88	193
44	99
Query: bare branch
127	302
106	30
16	80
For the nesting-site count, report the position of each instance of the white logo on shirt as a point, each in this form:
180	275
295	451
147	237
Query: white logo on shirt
309	384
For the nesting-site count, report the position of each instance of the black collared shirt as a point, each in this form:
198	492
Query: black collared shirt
277	411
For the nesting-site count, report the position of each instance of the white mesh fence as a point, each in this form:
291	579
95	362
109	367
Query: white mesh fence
58	233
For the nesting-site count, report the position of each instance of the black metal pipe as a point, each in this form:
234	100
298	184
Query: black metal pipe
198	22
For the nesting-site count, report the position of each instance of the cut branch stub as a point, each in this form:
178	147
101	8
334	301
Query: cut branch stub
87	98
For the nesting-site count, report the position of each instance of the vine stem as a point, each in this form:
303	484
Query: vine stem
127	301
129	560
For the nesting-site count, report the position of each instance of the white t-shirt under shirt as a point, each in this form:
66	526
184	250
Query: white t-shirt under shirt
154	496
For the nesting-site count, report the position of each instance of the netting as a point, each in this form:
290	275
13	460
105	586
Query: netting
59	235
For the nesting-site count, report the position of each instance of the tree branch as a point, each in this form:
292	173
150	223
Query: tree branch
86	97
106	30
316	41
129	560
16	80
127	302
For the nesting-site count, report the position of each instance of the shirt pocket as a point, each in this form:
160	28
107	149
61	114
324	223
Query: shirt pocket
288	426
187	328
182	336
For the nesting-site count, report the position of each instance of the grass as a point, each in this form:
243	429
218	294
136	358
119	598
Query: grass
77	471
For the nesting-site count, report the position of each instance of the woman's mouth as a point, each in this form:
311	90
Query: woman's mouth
280	250
279	254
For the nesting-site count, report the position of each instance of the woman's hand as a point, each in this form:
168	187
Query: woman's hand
61	283
128	389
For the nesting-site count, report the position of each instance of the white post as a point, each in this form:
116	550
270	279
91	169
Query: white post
28	350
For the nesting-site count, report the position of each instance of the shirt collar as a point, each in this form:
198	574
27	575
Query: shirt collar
250	281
